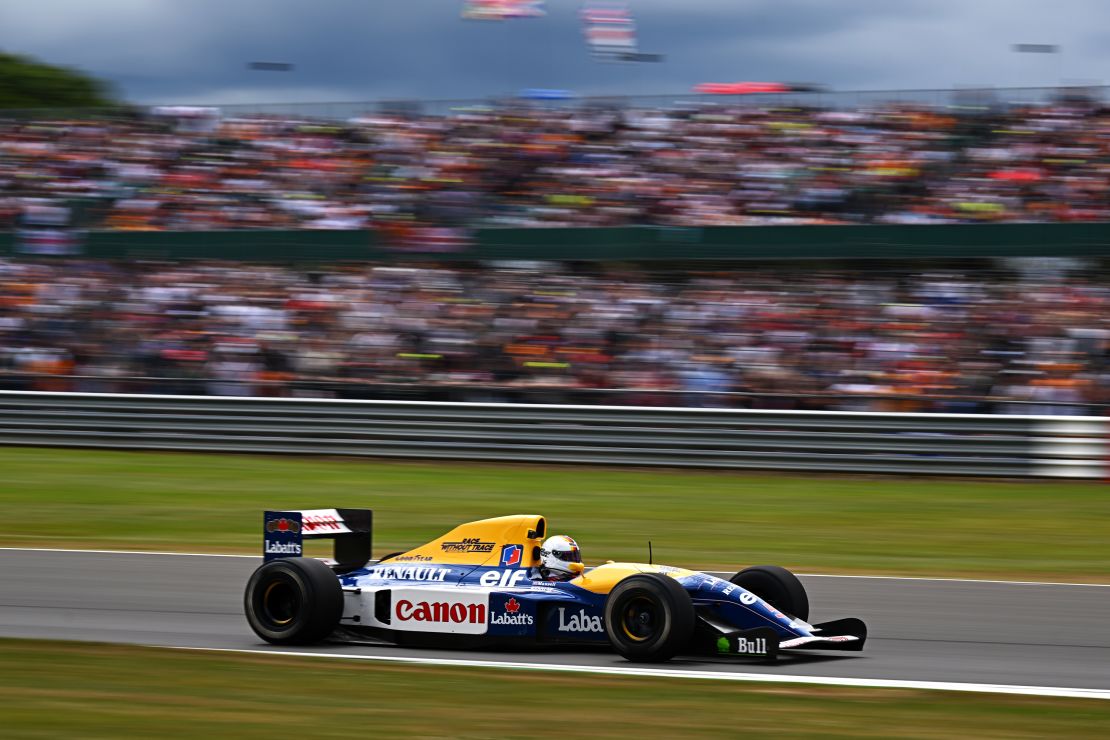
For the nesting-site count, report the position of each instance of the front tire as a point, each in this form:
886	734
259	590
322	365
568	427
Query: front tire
293	601
649	618
777	586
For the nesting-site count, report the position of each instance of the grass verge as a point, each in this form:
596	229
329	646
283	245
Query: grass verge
51	689
1025	530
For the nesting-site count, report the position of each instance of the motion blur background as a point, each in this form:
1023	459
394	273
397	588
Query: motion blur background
199	223
761	213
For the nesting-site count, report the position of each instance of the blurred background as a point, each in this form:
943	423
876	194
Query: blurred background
781	233
744	215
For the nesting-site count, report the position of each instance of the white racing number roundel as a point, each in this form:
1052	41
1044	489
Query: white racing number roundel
436	610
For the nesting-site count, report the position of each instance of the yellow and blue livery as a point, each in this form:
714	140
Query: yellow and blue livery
481	585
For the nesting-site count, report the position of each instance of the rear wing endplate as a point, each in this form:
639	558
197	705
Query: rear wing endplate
284	532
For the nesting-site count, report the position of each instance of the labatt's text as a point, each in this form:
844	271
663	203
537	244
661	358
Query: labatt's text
580	622
510	619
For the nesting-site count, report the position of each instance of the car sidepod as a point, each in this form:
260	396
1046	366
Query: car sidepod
436	603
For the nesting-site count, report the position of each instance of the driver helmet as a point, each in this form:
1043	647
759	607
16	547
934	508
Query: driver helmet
561	557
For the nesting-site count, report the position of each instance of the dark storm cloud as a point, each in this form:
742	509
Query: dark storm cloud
198	51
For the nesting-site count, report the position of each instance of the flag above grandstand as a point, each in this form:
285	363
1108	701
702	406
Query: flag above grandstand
610	32
740	88
543	93
609	28
752	88
499	10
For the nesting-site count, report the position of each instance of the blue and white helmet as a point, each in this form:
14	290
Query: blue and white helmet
561	557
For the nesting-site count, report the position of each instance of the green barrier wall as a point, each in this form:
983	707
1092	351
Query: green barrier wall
630	243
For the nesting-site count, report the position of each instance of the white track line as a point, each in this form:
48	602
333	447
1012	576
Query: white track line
710	572
710	676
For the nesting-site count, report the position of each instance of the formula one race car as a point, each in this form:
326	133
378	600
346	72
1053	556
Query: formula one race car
479	585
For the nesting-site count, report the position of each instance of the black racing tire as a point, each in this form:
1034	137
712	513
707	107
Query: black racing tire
293	601
649	618
777	586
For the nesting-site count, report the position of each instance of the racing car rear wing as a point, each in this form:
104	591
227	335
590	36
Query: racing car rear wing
284	532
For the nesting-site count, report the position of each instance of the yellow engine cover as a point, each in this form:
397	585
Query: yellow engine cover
481	542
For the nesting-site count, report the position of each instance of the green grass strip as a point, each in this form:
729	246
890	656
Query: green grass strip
1020	530
52	689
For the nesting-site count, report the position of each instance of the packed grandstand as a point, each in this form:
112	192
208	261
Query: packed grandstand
831	337
736	338
522	166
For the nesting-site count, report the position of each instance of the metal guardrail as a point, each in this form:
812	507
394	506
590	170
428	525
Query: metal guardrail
952	444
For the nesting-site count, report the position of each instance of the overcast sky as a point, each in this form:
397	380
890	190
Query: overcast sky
196	51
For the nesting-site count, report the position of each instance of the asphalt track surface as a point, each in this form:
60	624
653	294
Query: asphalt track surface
1044	635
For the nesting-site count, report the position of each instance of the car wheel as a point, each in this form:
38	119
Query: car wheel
777	586
649	618
293	601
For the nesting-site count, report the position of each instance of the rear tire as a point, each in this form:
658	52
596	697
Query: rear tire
777	586
293	601
649	618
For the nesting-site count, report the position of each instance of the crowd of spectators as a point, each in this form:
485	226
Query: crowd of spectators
762	338
532	167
